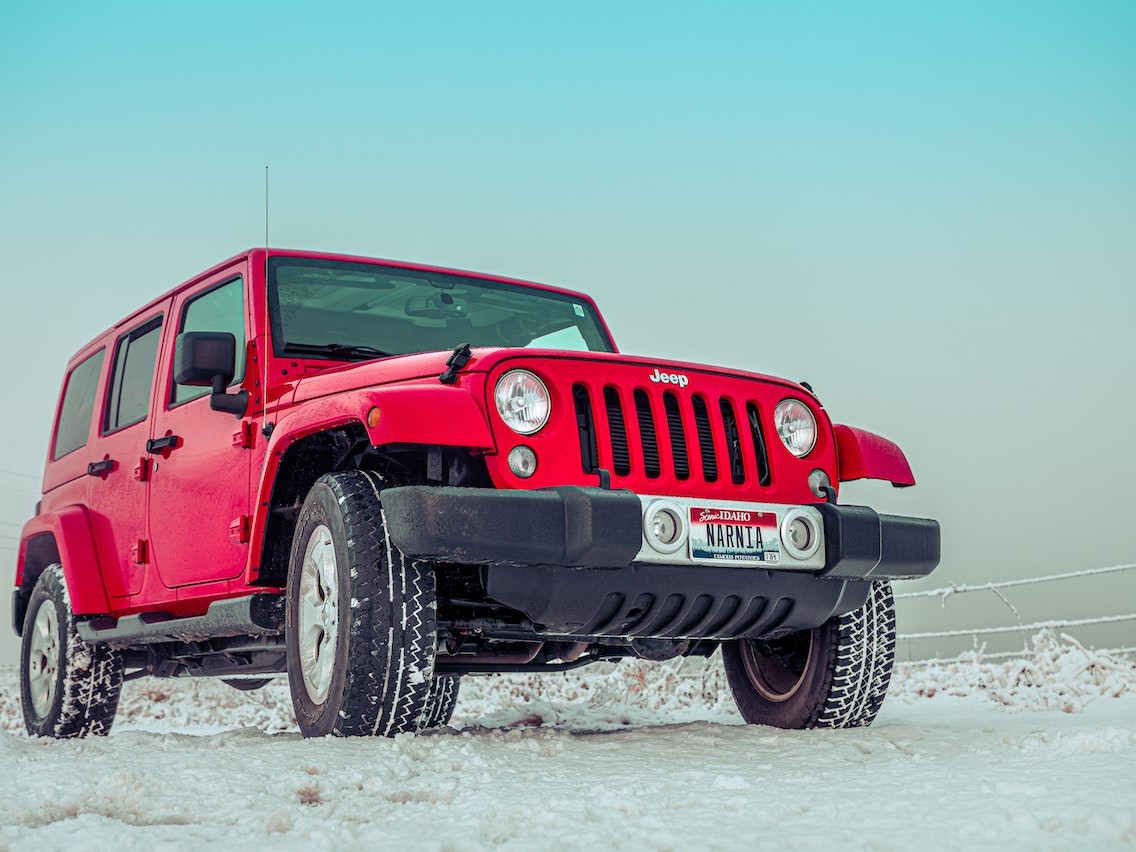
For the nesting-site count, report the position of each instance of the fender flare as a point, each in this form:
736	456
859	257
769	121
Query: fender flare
70	529
411	414
415	414
865	455
452	418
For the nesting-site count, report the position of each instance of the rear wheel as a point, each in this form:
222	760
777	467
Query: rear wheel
360	618
68	687
834	676
249	684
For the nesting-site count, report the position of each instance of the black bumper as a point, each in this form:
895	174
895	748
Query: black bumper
592	528
565	558
578	527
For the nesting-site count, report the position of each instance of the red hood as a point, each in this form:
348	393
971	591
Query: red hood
404	368
383	371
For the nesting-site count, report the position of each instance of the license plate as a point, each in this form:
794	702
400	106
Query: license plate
734	535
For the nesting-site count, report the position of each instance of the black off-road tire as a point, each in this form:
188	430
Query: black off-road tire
75	684
835	676
381	666
441	702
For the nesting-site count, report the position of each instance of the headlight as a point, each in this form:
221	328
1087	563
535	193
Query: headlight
522	401
796	427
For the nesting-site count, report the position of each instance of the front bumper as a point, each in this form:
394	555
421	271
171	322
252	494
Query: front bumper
572	560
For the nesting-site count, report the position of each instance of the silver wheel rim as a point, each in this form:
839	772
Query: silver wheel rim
43	658
319	613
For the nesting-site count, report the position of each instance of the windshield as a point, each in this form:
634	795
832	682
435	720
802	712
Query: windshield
354	311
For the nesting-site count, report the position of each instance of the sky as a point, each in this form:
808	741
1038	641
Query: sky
926	210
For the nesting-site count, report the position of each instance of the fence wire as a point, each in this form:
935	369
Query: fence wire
954	589
1018	628
1054	624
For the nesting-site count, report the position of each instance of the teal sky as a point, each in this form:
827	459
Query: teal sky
928	210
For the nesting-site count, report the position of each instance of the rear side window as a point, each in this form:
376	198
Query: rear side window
219	309
78	406
134	358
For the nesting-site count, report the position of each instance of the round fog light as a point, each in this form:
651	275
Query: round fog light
800	534
522	461
663	527
818	481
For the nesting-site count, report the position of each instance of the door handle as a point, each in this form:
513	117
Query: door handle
169	442
101	468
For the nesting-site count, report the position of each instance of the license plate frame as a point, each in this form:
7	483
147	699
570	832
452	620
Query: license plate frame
733	537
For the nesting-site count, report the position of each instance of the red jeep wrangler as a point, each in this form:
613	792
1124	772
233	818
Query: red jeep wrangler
286	465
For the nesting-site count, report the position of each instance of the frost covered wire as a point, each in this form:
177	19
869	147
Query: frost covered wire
944	593
1009	655
1020	628
987	587
20	489
7	472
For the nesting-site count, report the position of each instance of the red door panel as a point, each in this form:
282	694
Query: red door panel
118	465
199	488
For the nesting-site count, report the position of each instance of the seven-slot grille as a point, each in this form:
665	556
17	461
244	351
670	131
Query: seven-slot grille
660	433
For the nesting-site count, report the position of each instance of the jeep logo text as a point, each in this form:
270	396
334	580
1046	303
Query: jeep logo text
669	378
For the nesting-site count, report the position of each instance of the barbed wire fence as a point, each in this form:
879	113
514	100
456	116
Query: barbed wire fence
13	485
944	593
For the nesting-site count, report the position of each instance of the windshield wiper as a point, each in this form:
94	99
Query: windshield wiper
342	351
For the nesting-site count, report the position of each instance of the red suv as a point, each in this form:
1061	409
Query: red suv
378	477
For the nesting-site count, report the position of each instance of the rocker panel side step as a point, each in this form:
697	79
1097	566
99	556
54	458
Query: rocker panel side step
254	615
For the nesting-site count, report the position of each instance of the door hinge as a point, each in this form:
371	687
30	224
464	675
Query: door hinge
142	470
140	553
240	529
245	437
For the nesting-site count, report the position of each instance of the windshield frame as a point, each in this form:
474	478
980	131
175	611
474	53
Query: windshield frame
601	338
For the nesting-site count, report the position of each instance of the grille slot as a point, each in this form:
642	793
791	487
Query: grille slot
678	438
585	425
705	439
620	453
759	450
647	434
733	442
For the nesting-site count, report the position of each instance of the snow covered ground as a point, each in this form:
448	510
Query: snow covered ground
1035	753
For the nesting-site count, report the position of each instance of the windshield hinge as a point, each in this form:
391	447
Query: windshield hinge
458	359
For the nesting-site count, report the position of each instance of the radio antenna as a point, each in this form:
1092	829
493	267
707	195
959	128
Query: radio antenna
265	429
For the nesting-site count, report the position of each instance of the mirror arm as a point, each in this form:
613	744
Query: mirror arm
234	403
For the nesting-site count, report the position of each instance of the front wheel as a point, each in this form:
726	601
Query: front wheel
360	617
834	676
441	702
68	687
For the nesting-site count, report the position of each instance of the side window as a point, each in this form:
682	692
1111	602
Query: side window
219	309
78	405
134	357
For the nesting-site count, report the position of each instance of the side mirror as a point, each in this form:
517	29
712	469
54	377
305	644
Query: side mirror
208	359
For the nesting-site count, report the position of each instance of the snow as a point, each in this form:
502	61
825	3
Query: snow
1032	753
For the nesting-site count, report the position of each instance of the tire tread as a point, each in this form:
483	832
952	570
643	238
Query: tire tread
86	701
390	611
